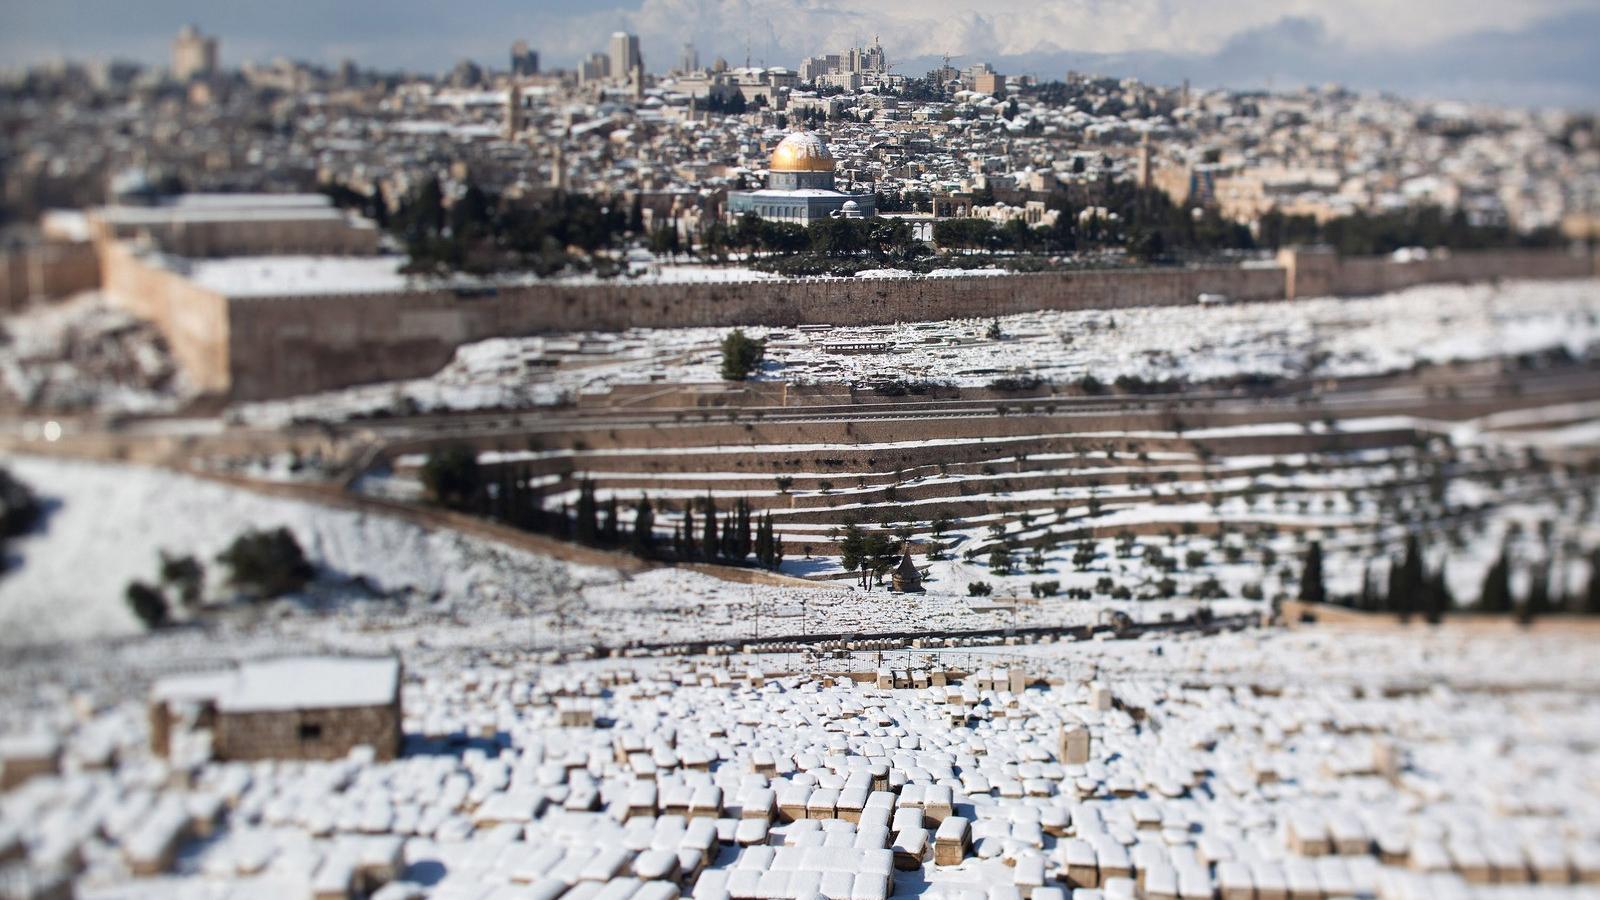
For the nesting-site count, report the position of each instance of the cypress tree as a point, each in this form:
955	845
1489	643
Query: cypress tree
644	525
1312	589
689	549
744	528
1438	597
709	544
1538	602
1410	583
1495	595
1591	596
610	528
587	526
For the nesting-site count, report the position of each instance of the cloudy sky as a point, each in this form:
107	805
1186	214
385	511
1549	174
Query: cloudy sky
1539	52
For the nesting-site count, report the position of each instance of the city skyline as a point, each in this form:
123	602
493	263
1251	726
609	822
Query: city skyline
1541	49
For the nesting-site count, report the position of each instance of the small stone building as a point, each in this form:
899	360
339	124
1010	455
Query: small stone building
294	708
905	578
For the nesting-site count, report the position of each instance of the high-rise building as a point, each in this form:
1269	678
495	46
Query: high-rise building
194	55
524	61
689	59
596	68
989	82
624	54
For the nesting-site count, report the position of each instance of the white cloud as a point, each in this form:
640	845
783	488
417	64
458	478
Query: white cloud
784	31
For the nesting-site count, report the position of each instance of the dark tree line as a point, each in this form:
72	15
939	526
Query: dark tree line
880	238
1412	589
483	233
1365	234
454	479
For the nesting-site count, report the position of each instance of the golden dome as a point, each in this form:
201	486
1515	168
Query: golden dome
801	151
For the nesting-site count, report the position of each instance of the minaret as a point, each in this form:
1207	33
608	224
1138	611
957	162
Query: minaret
513	111
558	168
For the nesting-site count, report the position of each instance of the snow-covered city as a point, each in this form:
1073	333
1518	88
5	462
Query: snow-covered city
1046	451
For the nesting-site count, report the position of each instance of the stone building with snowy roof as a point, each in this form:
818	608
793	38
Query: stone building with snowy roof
293	708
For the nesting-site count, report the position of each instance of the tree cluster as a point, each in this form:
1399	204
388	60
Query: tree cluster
19	510
267	563
481	233
871	553
1364	234
182	576
741	355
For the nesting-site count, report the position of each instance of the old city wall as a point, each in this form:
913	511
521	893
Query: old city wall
1357	276
265	347
290	345
46	271
194	320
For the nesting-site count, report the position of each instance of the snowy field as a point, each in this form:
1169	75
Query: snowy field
1327	336
1403	766
386	582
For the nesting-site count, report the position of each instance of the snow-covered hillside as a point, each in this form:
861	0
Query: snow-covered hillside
1324	336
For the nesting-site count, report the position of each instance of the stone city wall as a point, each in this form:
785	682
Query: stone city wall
299	344
266	347
46	271
194	320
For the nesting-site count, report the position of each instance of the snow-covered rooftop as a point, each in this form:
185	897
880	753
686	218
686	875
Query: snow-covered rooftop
291	683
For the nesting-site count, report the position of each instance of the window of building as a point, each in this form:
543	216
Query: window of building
310	731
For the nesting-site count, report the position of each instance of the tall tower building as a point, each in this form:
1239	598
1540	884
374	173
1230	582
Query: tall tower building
524	61
514	115
689	59
624	54
194	55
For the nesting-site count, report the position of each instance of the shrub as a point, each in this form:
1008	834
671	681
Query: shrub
186	575
149	604
266	564
741	355
979	589
1122	592
19	508
451	476
1016	383
1044	588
